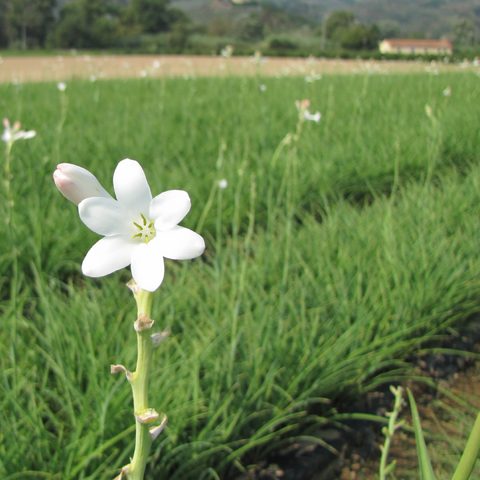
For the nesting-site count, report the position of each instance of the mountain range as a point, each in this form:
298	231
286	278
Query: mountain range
433	18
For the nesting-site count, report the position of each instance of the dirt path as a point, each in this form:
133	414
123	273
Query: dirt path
67	67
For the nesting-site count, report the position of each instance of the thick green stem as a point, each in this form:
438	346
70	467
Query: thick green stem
139	383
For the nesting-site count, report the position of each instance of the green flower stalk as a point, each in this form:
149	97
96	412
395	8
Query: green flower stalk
140	231
10	136
389	431
144	415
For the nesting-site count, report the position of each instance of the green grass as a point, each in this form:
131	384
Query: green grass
323	269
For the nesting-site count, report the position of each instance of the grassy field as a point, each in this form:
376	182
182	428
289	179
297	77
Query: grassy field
328	261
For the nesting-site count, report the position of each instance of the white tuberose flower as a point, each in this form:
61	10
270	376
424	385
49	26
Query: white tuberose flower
138	230
12	134
313	117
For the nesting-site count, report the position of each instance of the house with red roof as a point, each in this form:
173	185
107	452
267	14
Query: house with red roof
416	47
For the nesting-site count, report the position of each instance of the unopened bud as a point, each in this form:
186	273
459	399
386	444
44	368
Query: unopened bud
76	184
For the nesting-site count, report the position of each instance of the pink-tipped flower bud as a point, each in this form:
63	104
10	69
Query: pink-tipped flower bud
76	184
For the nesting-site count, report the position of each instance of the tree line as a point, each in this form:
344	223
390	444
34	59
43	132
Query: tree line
93	24
82	23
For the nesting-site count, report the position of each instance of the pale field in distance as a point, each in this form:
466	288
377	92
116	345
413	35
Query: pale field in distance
67	67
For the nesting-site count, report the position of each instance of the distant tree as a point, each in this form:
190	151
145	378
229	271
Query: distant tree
28	21
338	20
390	29
152	15
251	28
464	33
276	19
220	27
86	24
360	37
3	26
178	36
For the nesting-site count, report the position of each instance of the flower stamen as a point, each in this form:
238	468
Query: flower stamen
146	232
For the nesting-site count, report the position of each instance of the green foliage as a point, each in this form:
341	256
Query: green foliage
338	20
252	28
27	22
152	15
323	269
464	33
84	24
282	44
360	37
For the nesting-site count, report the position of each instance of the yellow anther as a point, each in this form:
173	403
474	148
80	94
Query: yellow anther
137	225
144	219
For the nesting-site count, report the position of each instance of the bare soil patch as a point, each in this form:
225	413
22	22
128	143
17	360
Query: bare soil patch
447	424
68	67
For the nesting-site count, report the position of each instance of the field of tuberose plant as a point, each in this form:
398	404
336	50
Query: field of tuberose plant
332	252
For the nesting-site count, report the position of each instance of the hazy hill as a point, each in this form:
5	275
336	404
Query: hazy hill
433	17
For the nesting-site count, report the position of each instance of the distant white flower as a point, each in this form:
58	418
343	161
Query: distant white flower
93	78
223	184
312	78
156	64
62	86
313	117
138	230
143	73
304	113
263	88
227	52
12	134
257	58
429	112
447	92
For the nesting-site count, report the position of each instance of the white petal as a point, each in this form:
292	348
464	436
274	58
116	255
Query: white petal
29	134
148	267
131	187
108	255
105	216
180	243
169	208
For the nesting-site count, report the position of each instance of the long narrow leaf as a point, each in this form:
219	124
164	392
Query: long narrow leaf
470	454
423	458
